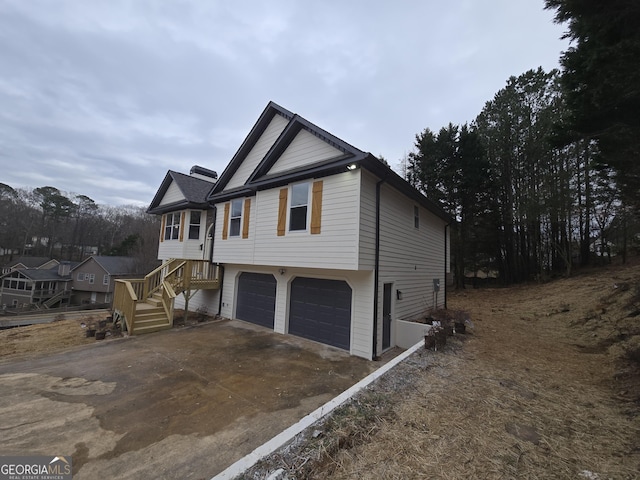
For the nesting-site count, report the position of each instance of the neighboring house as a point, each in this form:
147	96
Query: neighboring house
316	237
43	263
93	279
36	286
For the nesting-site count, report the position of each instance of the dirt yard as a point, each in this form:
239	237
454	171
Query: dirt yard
545	385
64	333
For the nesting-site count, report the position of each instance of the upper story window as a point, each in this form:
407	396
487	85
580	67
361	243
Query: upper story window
236	217
299	207
194	225
416	217
91	277
80	277
172	226
105	279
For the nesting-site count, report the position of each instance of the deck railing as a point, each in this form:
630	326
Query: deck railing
170	279
124	302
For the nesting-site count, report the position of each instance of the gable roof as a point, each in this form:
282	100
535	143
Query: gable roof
261	179
272	109
112	265
39	274
28	262
194	190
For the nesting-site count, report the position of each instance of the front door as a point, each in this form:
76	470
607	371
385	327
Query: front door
386	316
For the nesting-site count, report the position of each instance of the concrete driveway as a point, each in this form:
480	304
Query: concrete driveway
184	403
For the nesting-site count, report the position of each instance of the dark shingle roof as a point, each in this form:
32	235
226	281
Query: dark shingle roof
261	179
113	265
29	262
194	191
39	274
117	265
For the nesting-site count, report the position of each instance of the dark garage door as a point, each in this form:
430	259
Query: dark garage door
256	298
320	310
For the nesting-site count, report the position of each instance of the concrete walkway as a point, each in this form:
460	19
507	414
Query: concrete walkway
184	403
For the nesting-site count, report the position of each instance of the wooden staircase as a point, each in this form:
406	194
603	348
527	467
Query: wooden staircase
146	305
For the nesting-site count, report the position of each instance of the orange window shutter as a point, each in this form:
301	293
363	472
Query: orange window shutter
245	219
282	212
225	225
316	207
164	225
182	215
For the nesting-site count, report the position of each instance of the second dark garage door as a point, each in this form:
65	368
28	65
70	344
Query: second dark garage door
256	298
320	310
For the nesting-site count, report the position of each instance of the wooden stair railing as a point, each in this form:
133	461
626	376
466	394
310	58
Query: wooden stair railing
151	300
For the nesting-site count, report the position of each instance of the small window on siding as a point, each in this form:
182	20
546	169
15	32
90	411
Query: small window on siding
105	280
194	226
416	217
172	226
236	218
91	277
298	209
80	277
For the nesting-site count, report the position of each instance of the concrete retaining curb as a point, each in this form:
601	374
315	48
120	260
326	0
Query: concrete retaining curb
283	437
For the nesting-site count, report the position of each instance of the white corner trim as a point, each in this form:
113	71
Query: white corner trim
286	435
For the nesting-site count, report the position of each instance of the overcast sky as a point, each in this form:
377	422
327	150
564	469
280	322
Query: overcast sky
101	98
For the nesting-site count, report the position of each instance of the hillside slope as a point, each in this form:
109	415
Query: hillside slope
545	385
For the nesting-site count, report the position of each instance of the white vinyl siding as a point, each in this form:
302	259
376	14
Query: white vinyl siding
304	150
188	248
172	195
202	300
367	244
335	247
257	153
410	258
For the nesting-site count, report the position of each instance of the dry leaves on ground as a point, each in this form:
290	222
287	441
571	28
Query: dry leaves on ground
544	386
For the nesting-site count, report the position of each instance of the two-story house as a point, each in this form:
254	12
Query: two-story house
93	279
48	287
315	237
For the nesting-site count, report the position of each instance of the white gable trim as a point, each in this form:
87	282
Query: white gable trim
257	153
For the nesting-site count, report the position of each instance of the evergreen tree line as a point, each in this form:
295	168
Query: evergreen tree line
47	222
528	204
548	174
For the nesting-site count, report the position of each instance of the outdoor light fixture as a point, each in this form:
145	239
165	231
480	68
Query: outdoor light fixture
398	294
352	166
282	271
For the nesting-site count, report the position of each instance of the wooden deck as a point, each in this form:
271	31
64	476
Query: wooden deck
147	304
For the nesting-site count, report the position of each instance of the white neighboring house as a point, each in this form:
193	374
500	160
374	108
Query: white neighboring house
316	238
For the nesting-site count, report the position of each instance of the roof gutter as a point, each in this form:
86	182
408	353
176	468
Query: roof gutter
376	272
220	267
446	227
